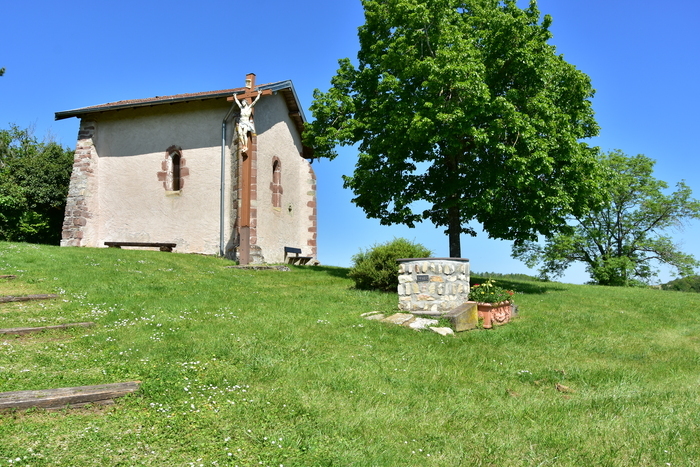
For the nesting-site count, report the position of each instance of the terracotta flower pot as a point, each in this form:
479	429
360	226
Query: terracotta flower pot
498	313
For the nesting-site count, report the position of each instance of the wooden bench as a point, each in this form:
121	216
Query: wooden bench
163	246
295	259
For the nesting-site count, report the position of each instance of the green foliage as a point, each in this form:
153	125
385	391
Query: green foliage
465	106
684	284
488	292
621	242
2	71
377	269
34	178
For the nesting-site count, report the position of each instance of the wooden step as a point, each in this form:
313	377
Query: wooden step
44	328
26	298
73	397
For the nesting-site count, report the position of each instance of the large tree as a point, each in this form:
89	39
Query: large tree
621	243
34	178
462	104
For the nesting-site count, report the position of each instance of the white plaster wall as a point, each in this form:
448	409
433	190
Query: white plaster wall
133	204
288	225
129	203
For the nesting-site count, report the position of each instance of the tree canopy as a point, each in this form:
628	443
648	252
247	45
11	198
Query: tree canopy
34	178
465	106
621	243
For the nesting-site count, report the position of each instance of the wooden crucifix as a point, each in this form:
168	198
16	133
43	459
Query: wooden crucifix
247	148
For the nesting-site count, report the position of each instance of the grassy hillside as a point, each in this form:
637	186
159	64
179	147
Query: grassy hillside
275	368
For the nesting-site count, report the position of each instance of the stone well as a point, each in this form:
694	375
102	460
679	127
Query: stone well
432	286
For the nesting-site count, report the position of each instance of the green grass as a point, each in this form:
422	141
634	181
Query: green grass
277	368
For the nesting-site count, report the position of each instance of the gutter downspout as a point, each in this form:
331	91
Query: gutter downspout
223	181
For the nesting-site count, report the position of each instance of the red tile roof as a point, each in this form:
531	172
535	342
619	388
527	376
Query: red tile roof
285	87
131	103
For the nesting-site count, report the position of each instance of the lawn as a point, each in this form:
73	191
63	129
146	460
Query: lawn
243	367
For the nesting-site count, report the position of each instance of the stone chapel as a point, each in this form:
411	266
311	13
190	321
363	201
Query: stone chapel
218	172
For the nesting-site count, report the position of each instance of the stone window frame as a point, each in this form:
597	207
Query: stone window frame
173	171
276	183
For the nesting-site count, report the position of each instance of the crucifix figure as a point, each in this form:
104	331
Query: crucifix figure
245	121
247	151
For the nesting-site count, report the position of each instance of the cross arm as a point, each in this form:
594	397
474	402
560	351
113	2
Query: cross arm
249	95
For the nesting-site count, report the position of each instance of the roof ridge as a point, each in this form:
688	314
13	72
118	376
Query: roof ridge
157	99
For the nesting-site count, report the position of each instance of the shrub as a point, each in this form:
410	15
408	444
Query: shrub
376	268
684	284
34	180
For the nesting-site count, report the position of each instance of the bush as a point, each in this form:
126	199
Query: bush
684	284
34	179
376	268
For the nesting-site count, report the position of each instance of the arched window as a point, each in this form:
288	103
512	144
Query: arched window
276	185
173	170
175	180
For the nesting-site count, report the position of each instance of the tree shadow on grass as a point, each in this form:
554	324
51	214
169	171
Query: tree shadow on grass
335	271
525	287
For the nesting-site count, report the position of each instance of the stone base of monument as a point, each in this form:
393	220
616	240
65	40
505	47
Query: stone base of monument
464	317
471	315
467	316
409	320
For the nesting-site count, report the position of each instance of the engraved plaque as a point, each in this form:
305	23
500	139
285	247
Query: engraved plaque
422	278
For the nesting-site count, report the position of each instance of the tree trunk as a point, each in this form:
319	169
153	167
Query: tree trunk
453	232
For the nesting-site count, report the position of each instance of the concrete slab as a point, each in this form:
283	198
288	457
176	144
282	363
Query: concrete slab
464	317
399	318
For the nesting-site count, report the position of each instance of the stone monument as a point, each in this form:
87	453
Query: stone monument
433	286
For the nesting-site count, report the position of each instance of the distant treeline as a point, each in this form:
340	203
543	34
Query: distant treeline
498	275
684	284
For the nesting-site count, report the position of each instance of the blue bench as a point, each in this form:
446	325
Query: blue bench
296	259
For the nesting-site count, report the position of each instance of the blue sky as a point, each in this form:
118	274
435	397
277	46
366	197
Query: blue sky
641	56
